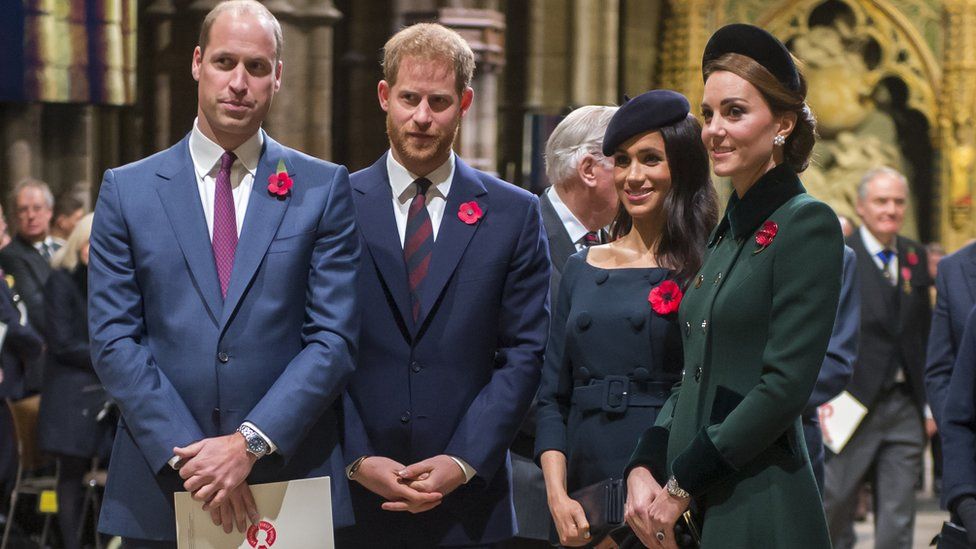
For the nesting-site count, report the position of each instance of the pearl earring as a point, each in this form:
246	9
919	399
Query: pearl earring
779	141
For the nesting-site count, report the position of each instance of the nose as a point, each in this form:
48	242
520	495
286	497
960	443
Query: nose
713	128
633	174
238	79
422	115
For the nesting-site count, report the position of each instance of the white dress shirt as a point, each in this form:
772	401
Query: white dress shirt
574	227
874	247
401	182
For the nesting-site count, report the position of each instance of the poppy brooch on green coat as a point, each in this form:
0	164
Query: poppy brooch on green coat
765	236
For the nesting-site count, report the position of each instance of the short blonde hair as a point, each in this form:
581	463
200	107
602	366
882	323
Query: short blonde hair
430	42
69	255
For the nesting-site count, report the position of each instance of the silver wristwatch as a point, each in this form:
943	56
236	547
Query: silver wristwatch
676	490
256	445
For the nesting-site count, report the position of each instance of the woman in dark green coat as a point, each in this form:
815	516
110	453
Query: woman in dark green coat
755	322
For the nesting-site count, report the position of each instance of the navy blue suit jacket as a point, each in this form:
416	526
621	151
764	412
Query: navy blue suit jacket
183	363
958	427
460	379
955	286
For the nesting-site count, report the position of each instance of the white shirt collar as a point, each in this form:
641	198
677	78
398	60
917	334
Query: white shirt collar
48	240
574	227
206	154
872	244
401	179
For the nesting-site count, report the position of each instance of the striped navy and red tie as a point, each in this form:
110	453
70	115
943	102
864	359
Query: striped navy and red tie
418	243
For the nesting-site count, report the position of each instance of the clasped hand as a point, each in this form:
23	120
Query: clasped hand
213	471
415	488
651	509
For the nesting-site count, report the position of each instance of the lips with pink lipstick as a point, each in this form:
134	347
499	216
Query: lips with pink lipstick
636	196
720	152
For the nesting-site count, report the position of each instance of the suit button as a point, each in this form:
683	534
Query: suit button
415	366
718	279
405	418
223	358
704	326
698	374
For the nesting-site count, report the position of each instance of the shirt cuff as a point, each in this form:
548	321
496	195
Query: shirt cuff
468	470
174	462
928	412
271	445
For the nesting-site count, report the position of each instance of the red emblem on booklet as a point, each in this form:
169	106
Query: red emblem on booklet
665	298
470	212
765	235
261	535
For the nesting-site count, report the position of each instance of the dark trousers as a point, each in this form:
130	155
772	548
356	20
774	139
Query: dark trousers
131	543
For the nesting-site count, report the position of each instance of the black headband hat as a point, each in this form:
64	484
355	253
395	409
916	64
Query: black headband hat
648	111
758	45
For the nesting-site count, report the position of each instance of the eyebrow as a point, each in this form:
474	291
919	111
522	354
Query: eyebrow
643	151
728	100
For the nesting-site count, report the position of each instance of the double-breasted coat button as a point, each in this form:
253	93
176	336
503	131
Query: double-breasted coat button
223	357
718	279
698	283
602	277
637	321
687	328
584	320
704	326
405	417
698	374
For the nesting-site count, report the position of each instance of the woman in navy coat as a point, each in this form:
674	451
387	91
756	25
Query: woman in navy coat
71	396
614	349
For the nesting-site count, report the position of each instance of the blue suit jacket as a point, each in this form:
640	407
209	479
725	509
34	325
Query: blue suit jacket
460	379
958	427
955	286
183	363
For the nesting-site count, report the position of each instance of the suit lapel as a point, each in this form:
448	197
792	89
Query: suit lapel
452	236
378	227
261	221
179	194
560	244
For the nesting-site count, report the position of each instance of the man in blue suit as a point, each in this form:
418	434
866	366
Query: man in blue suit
955	286
223	307
454	291
958	429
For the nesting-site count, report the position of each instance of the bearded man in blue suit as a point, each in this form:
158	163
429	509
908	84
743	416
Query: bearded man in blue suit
454	291
223	308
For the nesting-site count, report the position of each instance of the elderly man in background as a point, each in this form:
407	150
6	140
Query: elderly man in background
27	259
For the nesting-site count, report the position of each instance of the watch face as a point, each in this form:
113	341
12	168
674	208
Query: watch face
256	445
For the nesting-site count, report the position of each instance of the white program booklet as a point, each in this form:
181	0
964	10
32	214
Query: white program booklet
839	419
294	515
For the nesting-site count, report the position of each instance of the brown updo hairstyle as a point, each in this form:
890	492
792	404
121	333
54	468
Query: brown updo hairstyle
781	100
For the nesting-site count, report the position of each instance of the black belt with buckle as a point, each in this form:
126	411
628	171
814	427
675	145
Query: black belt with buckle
614	394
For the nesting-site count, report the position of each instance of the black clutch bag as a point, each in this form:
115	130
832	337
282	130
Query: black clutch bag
603	503
952	536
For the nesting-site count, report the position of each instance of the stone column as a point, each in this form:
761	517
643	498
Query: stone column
593	45
549	57
957	122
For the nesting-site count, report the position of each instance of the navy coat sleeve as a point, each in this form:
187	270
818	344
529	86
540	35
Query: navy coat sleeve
838	364
942	347
959	421
154	412
66	344
490	423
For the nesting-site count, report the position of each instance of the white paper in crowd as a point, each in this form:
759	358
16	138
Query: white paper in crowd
294	515
839	419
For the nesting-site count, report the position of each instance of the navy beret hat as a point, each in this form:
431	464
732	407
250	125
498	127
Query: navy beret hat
648	111
756	44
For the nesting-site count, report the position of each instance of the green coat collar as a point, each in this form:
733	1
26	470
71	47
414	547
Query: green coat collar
772	190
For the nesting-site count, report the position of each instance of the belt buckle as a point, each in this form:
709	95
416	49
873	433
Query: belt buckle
616	393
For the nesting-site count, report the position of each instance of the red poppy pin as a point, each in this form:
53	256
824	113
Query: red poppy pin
912	257
665	298
765	235
470	212
279	183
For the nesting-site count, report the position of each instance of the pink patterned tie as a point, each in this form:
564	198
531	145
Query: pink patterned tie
224	223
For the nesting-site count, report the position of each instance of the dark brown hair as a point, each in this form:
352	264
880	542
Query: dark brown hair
691	205
781	100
